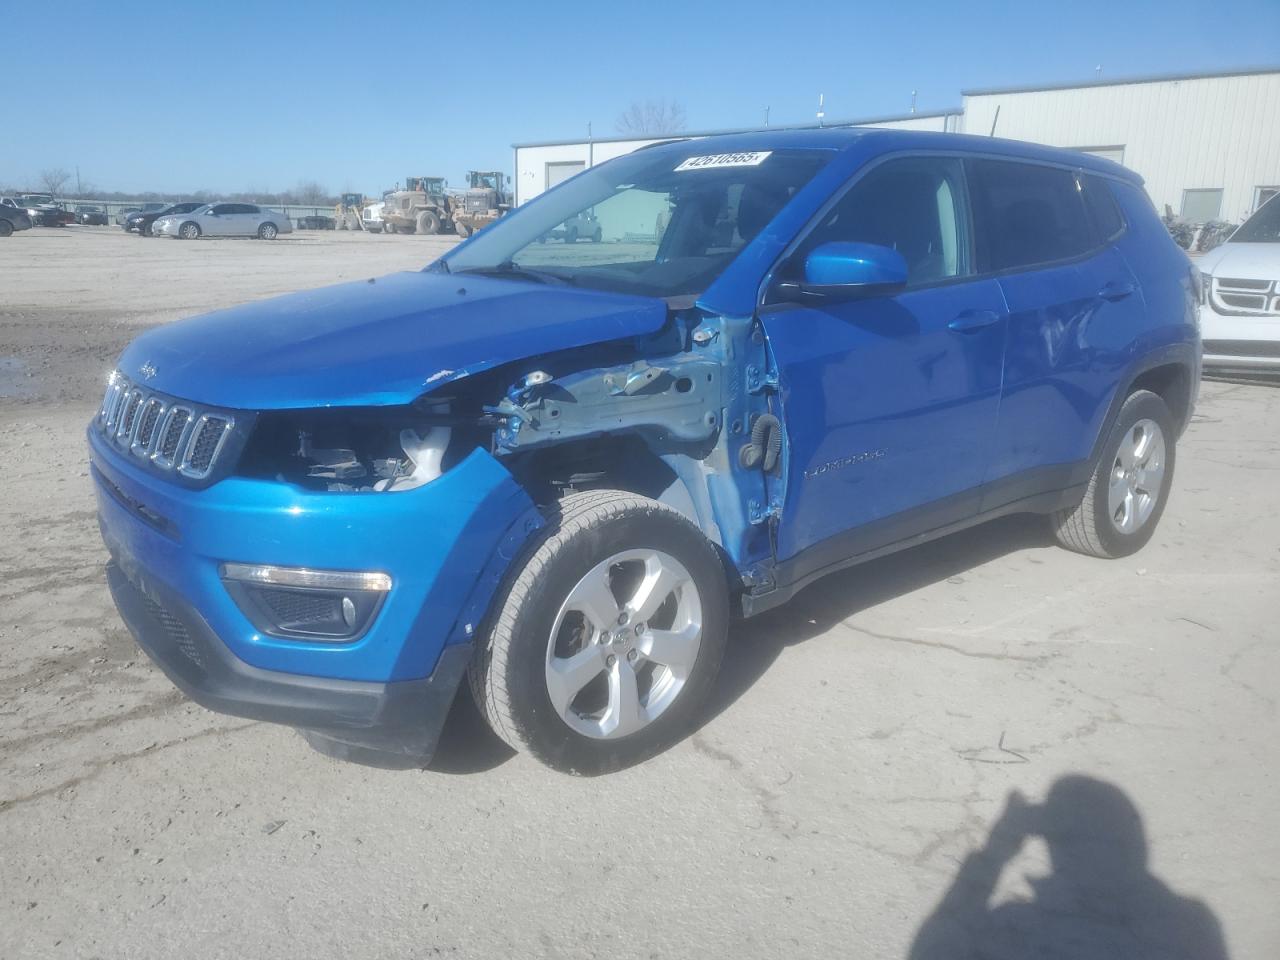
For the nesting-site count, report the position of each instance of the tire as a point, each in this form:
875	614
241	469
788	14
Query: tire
428	223
615	541
462	230
145	231
268	231
597	236
189	231
1130	484
6	228
571	235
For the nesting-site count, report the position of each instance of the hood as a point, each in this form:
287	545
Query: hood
375	342
1249	261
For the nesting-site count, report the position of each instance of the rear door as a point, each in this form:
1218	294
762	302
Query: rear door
1073	307
889	402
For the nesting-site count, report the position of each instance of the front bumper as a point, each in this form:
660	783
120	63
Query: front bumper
386	724
1243	345
445	546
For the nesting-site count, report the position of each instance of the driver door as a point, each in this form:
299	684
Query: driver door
889	401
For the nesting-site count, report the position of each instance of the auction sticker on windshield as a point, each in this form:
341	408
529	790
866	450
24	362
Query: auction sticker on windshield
725	160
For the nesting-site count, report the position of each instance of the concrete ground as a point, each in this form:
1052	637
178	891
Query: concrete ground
863	743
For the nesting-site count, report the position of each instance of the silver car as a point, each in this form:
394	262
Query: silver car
224	220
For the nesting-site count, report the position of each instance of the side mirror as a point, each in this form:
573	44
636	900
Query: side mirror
846	270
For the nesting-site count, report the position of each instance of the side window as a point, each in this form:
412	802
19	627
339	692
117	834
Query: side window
248	208
1108	223
1027	214
223	208
915	206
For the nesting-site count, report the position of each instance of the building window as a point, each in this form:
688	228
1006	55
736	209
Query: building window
1262	194
1201	206
558	173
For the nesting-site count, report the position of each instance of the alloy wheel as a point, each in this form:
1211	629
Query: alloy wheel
624	644
1137	476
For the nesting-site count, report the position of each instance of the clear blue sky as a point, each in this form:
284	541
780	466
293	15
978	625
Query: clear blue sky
235	95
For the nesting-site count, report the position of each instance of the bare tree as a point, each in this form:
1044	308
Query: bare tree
54	179
310	192
653	118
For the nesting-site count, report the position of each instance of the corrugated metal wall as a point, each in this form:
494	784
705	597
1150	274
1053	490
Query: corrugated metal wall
1204	133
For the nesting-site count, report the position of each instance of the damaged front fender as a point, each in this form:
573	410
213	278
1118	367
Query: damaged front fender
680	402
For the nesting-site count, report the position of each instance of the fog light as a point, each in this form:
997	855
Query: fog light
303	604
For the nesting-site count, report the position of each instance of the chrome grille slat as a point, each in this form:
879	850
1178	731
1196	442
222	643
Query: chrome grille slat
173	436
1240	297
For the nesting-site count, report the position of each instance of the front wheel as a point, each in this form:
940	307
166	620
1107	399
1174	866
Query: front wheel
268	231
189	231
428	223
1130	484
6	228
607	638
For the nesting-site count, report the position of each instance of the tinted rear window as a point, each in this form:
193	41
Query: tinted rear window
1108	222
1027	214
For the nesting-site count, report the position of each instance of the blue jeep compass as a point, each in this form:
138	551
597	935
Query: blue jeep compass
559	469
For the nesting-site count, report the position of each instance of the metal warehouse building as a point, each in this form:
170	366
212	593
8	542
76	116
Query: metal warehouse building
1208	145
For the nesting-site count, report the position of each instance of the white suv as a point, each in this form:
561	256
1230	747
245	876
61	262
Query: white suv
1240	304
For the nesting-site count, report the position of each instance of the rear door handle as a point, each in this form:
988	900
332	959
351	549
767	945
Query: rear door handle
972	320
1116	290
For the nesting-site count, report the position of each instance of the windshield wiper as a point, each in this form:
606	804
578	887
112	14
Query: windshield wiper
509	269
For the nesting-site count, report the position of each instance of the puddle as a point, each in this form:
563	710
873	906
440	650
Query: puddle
14	379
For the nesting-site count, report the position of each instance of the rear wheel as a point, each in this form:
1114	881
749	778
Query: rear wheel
189	231
6	228
428	223
267	231
1130	484
607	638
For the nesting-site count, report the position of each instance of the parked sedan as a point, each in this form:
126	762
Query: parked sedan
224	220
12	217
143	220
152	210
91	215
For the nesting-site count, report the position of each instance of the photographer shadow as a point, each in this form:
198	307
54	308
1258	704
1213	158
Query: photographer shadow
1100	902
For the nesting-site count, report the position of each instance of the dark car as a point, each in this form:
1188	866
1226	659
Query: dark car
42	209
141	220
152	210
556	472
12	217
91	215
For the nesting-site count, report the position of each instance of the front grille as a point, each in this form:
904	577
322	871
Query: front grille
175	629
1238	296
171	435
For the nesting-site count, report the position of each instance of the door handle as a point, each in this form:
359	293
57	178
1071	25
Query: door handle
1114	290
972	320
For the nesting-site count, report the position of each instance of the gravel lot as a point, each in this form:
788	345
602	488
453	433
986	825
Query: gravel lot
864	740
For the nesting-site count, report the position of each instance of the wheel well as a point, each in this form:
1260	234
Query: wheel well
608	462
1172	383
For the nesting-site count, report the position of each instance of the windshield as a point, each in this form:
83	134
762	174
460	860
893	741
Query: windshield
661	224
1263	226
